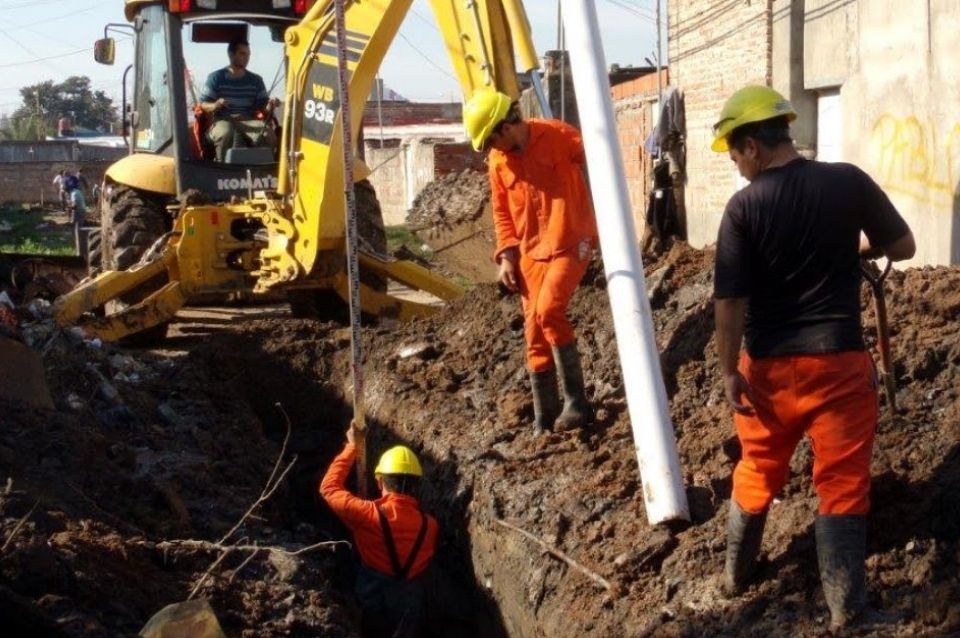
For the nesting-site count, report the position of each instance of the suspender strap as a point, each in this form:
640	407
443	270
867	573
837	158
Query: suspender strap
398	570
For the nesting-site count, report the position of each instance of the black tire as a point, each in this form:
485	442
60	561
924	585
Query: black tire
370	227
94	251
131	221
327	305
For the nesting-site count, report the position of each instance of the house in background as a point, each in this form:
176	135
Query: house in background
410	144
874	82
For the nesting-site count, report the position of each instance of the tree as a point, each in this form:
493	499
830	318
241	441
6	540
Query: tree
46	102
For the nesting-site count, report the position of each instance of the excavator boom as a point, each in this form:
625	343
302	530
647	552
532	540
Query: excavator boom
295	238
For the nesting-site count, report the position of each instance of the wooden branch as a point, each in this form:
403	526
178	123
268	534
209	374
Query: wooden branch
239	568
227	550
16	530
210	546
206	574
556	553
272	483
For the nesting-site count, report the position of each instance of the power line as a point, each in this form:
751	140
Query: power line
429	22
29	4
52	57
22	46
625	7
426	57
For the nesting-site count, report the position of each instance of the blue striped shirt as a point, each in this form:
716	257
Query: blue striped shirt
244	95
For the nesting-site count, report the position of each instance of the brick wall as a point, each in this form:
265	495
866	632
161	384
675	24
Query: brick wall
404	113
633	103
401	170
32	181
716	47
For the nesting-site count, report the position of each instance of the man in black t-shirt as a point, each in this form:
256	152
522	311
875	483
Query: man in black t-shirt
787	284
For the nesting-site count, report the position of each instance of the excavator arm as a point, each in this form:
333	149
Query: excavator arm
479	36
295	238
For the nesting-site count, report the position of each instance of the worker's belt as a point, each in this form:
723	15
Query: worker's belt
401	571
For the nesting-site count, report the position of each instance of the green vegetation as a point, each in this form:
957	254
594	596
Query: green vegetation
402	241
399	237
34	233
46	102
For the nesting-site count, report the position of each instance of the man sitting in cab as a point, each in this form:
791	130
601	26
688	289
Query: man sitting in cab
235	97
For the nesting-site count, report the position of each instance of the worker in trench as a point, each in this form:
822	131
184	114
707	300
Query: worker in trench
787	283
396	540
546	234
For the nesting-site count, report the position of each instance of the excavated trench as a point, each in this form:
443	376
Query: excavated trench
318	406
128	494
145	447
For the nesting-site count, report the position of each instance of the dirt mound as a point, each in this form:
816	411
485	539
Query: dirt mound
451	215
186	444
450	200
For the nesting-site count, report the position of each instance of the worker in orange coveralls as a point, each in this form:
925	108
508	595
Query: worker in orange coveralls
788	281
395	539
546	234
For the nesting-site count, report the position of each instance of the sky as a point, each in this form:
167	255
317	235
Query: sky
53	40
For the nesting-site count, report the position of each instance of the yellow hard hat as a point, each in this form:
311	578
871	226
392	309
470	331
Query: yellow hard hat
399	460
481	114
749	104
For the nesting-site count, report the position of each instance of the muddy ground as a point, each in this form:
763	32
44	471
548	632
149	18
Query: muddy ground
150	448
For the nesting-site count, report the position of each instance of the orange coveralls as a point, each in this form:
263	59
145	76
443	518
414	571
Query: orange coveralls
360	516
541	206
830	397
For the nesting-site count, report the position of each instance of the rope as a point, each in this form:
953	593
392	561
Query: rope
353	268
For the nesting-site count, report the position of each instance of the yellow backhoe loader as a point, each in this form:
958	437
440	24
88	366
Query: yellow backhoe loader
178	226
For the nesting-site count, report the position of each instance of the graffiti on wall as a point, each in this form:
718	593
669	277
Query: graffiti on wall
916	158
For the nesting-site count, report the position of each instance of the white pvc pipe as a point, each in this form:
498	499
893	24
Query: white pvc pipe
653	436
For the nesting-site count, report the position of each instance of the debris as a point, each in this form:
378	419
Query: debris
22	374
189	619
553	551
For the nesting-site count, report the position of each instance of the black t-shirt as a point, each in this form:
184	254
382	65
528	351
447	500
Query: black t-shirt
789	242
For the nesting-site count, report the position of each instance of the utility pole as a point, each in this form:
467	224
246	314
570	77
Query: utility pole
379	83
561	46
659	57
40	135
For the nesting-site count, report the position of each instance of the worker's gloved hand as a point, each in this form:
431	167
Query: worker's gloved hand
352	433
508	269
736	388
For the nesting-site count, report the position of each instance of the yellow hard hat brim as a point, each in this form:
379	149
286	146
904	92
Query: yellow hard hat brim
720	145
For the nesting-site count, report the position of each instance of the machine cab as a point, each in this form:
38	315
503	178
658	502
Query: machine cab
177	45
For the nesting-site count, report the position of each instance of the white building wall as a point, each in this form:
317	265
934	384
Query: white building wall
887	70
897	66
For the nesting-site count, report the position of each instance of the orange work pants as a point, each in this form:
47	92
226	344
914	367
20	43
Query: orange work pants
546	288
832	398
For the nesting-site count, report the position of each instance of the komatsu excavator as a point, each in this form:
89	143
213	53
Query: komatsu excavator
277	223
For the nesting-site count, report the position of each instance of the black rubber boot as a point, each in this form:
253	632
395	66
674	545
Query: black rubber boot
744	537
546	400
576	410
841	553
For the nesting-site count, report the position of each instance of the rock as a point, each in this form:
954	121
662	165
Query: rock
190	619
